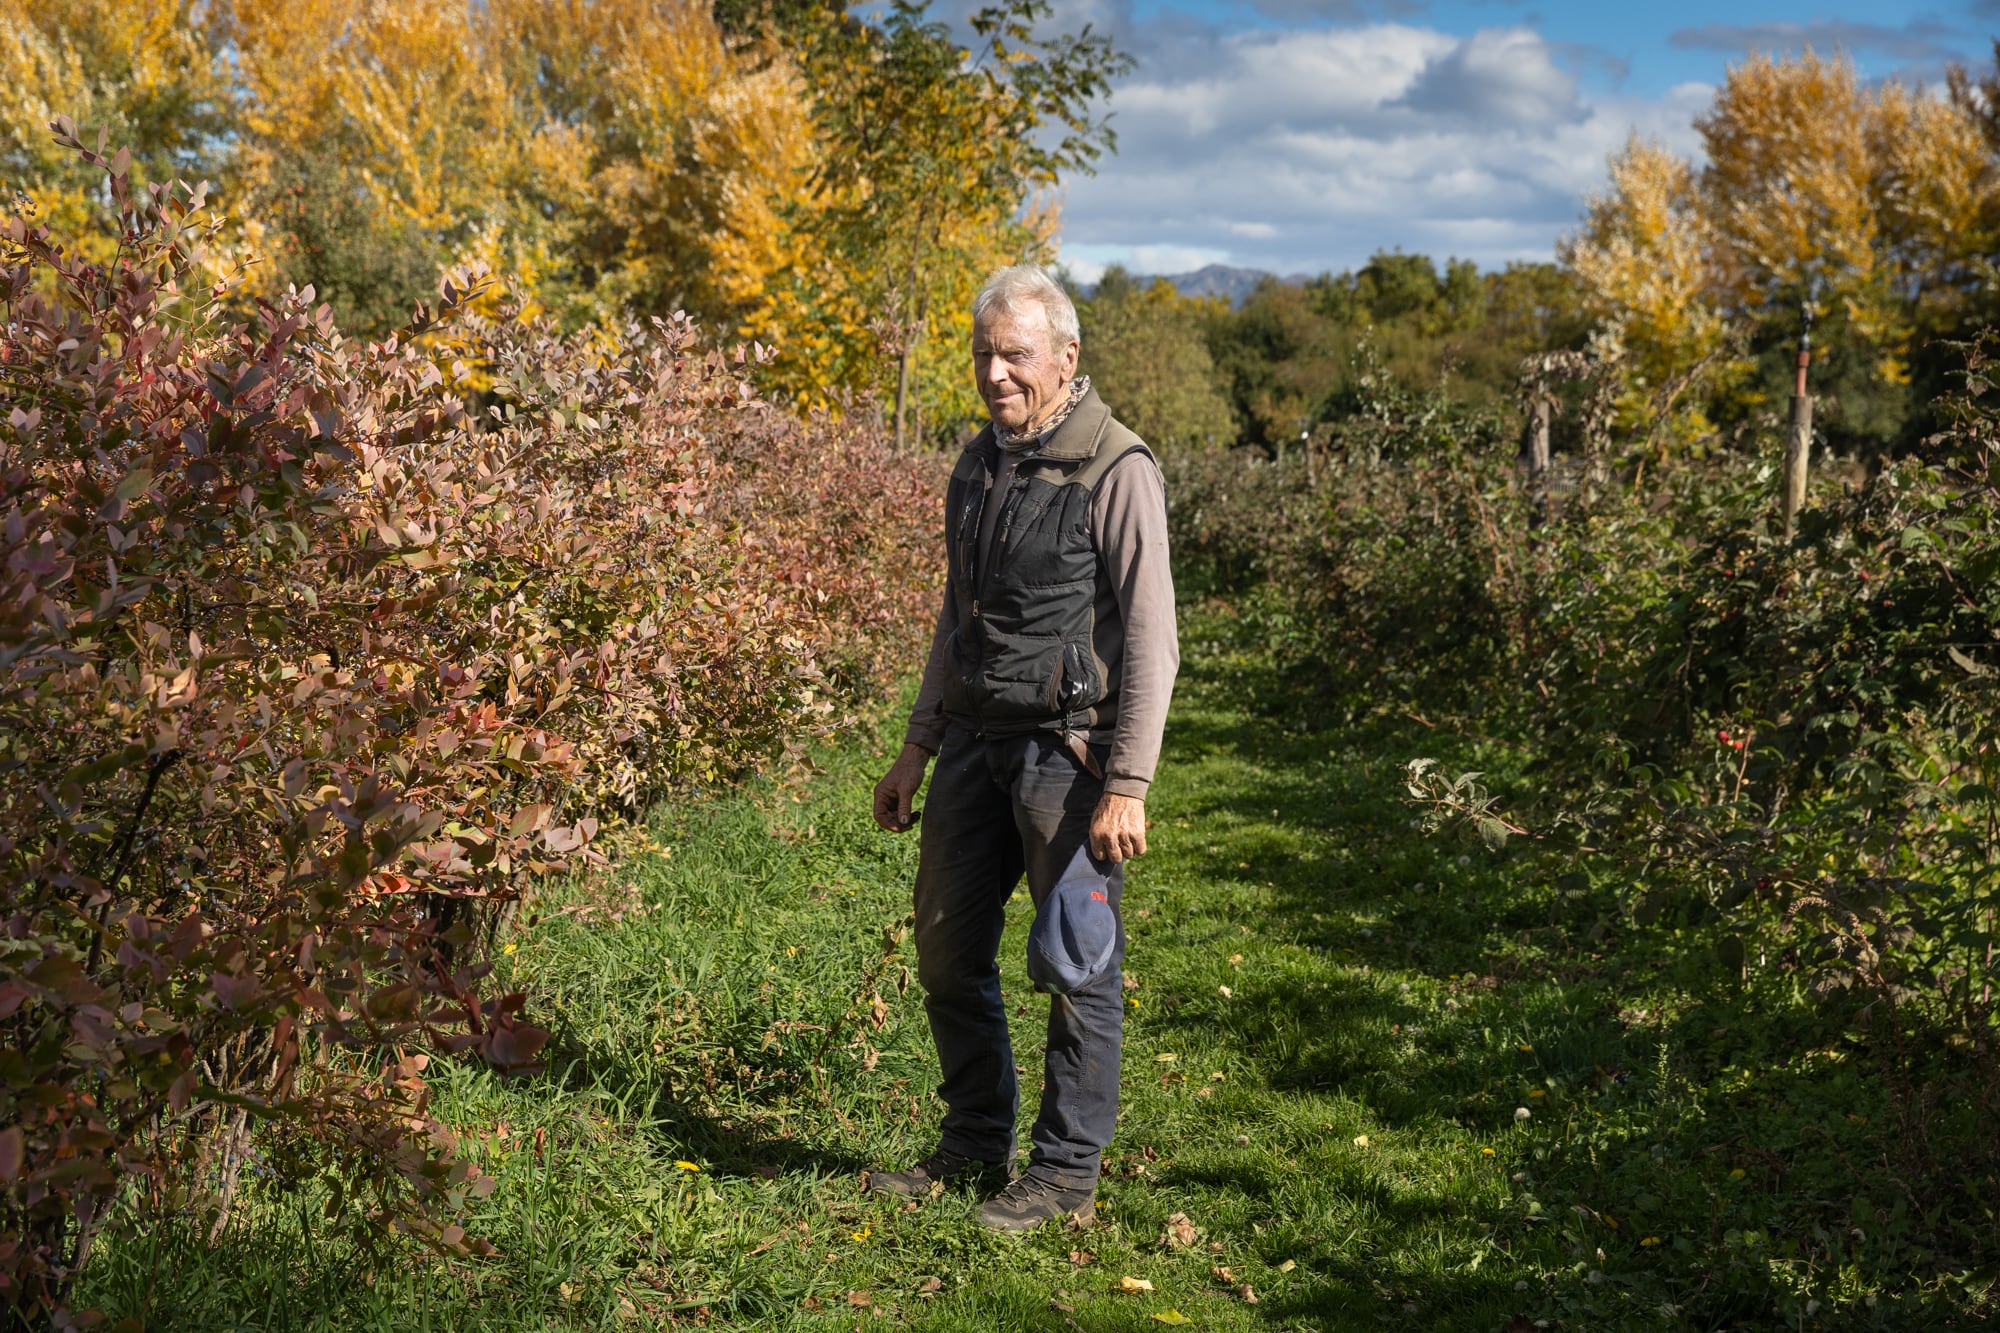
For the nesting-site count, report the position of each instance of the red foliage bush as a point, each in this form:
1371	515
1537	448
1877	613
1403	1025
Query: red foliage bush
311	653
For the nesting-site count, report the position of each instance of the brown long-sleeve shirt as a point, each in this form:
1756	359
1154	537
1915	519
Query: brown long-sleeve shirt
1136	635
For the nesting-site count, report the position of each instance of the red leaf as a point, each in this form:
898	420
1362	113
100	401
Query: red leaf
513	1046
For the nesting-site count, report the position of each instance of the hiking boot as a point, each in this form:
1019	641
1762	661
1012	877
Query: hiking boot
1031	1201
943	1167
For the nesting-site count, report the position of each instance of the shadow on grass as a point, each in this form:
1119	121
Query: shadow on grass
1683	1085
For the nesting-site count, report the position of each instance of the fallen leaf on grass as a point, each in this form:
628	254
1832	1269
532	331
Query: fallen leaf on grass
1205	1090
1244	1294
1166	1057
860	1300
1288	1265
1132	1286
930	1287
1082	1257
1361	1140
1235	958
1180	1231
1222	1273
1055	1304
1170	1317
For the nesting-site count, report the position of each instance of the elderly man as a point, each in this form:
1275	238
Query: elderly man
1043	701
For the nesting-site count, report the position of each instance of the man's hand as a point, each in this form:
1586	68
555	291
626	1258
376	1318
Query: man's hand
898	788
1117	829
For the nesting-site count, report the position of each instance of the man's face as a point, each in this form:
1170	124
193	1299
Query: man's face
1021	375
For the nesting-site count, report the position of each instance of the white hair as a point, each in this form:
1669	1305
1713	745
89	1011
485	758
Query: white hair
1010	289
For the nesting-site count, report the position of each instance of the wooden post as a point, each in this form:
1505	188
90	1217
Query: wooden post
1535	453
1798	437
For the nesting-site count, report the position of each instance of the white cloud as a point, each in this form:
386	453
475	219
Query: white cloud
1309	149
1499	76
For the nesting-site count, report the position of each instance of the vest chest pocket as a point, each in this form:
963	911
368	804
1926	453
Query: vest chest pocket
1048	544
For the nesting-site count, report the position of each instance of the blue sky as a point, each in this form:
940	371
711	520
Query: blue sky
1304	135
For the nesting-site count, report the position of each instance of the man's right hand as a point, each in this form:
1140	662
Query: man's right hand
898	788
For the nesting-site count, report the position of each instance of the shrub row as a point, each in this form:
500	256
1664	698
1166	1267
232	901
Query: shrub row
1786	748
314	653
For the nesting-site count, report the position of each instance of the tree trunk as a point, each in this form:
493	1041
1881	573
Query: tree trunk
903	390
913	335
1798	453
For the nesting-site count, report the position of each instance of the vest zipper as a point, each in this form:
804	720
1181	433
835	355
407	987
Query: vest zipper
1016	485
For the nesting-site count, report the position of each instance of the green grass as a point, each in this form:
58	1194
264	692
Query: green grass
1333	1023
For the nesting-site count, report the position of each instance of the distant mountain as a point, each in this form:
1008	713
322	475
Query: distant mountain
1217	280
1235	284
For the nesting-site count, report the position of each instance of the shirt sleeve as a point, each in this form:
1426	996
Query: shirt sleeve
1129	513
926	729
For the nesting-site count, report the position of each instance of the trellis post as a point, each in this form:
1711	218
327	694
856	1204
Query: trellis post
1798	438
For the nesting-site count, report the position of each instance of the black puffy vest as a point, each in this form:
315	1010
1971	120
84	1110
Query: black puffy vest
1023	654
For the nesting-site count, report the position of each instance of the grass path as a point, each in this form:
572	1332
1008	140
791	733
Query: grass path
1332	1026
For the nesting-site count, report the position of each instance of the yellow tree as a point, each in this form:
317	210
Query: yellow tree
148	74
1789	191
1879	199
666	151
1938	197
1645	257
607	156
375	138
928	155
1877	204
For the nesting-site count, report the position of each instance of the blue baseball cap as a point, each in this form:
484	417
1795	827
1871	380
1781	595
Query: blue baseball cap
1075	931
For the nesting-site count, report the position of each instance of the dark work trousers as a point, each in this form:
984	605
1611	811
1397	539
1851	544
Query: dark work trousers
997	807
